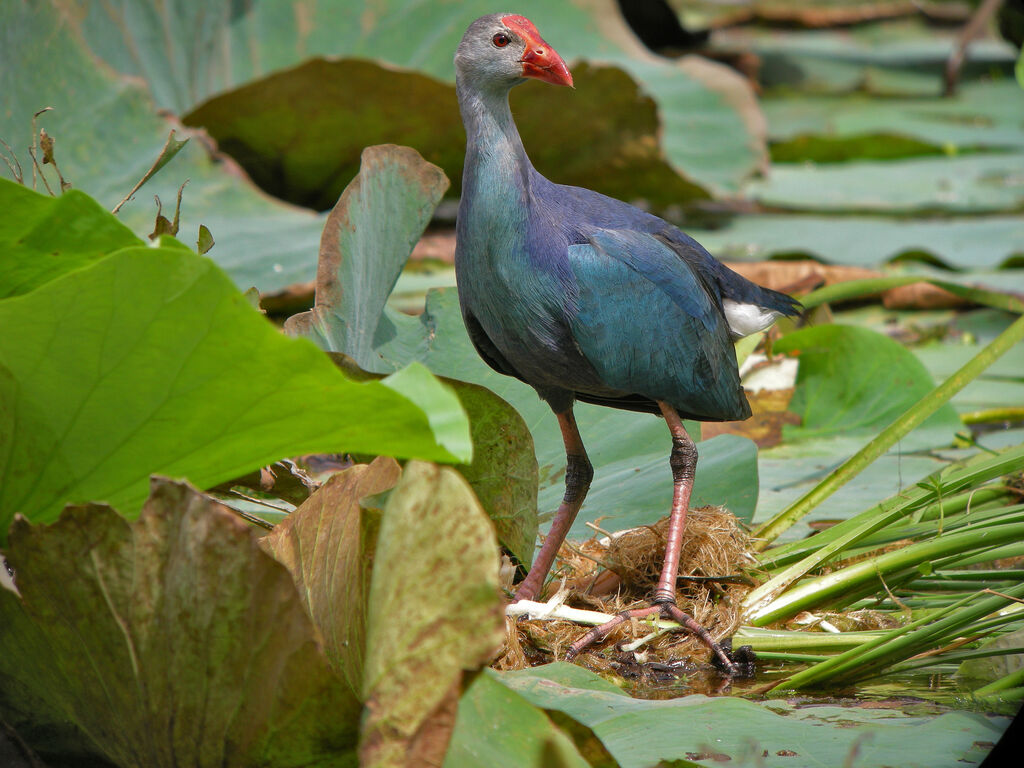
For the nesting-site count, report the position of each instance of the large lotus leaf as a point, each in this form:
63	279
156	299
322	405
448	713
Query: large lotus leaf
278	129
503	473
170	640
713	132
981	183
498	728
434	612
35	240
151	361
367	239
712	731
108	135
870	241
897	58
853	380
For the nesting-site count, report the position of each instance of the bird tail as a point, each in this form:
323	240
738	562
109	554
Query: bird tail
779	302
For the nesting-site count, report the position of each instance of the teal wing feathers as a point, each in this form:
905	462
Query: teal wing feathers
651	325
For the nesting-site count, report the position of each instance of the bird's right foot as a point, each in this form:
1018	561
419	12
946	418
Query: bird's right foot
666	610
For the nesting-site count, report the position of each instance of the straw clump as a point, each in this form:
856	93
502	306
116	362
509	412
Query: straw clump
618	572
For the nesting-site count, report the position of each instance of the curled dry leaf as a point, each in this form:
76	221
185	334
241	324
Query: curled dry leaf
170	640
327	544
801	276
402	636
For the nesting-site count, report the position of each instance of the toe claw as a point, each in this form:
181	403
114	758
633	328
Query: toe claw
740	665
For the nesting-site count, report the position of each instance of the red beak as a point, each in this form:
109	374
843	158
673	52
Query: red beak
540	61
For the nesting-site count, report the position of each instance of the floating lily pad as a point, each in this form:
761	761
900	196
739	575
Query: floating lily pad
856	381
967	243
812	13
711	731
890	58
498	728
984	183
982	115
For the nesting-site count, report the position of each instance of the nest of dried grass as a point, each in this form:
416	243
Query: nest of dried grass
616	573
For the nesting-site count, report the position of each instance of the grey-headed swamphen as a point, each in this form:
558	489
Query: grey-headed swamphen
584	297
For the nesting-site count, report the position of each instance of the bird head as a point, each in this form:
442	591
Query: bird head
505	48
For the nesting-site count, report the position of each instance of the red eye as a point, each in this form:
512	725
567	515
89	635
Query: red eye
500	40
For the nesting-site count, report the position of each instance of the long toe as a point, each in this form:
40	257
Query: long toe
721	657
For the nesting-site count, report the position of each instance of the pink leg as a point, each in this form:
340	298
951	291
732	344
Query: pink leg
683	461
578	474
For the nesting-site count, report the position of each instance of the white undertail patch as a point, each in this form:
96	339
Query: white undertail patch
745	319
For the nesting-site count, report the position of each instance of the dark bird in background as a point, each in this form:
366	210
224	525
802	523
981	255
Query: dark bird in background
1010	22
584	297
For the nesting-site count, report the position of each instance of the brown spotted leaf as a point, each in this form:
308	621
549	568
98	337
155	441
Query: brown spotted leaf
434	613
170	640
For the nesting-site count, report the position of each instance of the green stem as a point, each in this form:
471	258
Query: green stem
830	668
867	573
839	538
857	289
795	658
1013	680
992	415
930	630
964	476
796	641
913	418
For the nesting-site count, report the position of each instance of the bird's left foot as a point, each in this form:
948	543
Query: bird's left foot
666	610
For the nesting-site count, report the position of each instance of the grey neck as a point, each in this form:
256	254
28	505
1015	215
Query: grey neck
491	133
